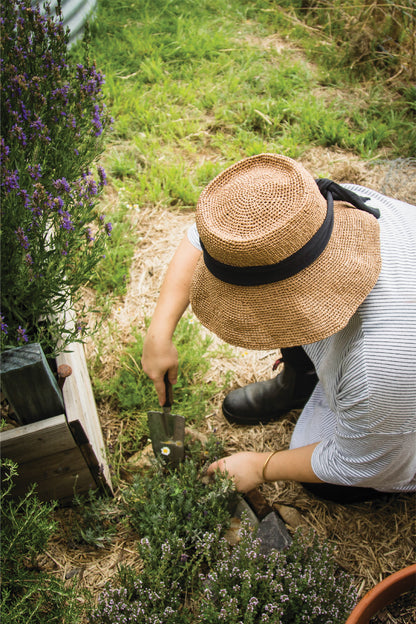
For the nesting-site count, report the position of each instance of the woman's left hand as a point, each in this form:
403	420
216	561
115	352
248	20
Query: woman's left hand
244	468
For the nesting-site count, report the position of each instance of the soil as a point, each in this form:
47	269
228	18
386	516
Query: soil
400	611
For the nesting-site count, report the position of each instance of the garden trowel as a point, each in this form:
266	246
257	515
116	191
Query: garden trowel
167	431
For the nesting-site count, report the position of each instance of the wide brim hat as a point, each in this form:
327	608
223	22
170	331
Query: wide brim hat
262	212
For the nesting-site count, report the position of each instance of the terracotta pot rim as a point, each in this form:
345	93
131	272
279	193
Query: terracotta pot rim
383	594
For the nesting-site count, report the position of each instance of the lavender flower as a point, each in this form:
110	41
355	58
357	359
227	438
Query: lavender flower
102	176
67	223
11	181
53	119
3	325
22	238
62	185
35	171
21	335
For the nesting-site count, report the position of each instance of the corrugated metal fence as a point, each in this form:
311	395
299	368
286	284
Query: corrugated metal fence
75	14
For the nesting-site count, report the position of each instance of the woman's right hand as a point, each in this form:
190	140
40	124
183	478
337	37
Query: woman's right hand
159	356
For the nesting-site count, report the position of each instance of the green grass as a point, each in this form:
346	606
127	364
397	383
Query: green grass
131	394
194	76
111	273
194	87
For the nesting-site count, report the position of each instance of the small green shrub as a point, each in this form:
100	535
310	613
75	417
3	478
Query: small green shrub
97	519
172	511
180	518
28	594
299	584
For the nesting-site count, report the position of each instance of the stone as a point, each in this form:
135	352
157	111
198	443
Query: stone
291	517
273	534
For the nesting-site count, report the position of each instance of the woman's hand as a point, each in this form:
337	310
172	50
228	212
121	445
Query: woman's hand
160	356
244	468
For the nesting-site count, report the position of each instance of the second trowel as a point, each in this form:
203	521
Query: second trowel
167	431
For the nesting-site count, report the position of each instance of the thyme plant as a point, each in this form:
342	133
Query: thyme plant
191	574
53	123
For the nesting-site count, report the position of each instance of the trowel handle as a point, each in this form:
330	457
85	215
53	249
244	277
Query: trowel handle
168	391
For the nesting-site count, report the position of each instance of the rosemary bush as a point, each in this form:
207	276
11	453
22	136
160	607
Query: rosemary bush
53	123
28	594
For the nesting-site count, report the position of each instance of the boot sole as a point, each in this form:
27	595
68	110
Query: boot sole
252	421
235	420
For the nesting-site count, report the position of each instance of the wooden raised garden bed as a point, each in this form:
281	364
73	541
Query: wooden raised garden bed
63	453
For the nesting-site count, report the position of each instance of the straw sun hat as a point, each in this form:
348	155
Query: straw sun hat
282	265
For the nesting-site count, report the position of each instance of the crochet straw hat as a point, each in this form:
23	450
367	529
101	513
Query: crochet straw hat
282	265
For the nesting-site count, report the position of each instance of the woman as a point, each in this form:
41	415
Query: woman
279	260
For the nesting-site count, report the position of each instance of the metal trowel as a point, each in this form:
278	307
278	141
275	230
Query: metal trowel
167	431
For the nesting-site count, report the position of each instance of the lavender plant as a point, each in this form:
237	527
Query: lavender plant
53	124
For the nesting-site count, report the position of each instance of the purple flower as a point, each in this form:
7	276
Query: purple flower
21	335
62	185
18	130
108	228
22	238
96	121
66	221
4	150
3	325
102	176
92	188
35	171
11	181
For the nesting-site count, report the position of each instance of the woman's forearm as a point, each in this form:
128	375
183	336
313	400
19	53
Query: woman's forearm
291	464
159	353
248	468
174	293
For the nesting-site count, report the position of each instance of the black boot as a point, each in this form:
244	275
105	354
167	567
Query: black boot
265	401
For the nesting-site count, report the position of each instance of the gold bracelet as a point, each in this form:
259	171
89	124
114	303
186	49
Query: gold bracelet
266	463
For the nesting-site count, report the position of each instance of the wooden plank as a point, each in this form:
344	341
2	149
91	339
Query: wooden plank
57	477
47	454
81	413
29	385
37	440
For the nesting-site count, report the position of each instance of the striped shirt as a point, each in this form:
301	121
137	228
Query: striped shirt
363	409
